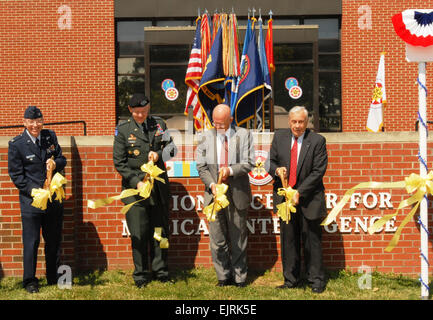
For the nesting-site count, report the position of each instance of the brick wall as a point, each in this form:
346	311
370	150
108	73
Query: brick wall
95	238
60	58
69	72
360	52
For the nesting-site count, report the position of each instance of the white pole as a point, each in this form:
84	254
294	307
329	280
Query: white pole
422	96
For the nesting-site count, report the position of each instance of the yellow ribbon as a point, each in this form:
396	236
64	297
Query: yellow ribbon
157	235
285	208
41	196
153	173
144	191
220	202
414	184
56	186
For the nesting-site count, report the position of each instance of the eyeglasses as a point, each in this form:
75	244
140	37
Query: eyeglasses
36	121
218	125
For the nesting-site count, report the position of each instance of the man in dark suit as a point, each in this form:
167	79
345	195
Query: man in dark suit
228	150
300	155
30	156
139	139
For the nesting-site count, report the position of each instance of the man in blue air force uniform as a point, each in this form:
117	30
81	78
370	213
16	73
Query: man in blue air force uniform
30	156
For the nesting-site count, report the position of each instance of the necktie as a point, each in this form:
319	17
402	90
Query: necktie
224	153
293	163
38	145
145	130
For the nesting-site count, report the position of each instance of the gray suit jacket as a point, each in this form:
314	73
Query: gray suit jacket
241	159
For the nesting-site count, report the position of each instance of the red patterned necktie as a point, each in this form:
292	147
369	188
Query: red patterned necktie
293	163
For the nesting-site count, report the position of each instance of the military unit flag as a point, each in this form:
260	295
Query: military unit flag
244	85
375	115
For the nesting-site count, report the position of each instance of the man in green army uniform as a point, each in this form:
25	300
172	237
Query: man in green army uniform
139	139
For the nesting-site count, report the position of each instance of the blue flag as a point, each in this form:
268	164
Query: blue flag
211	90
235	83
266	76
250	86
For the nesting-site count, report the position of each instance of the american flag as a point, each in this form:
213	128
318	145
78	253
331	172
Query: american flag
192	79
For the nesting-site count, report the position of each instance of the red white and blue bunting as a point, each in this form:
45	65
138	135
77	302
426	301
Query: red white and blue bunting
415	26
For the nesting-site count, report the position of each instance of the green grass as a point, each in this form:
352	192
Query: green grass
199	284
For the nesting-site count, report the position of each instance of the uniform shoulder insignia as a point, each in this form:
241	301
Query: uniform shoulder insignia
159	120
15	139
47	133
120	125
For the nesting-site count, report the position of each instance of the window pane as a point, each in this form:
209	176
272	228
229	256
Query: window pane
329	45
160	104
165	53
130	65
286	52
330	101
328	28
329	61
131	48
127	86
304	75
131	30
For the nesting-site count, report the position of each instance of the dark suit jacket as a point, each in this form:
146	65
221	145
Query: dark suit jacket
27	164
131	149
311	167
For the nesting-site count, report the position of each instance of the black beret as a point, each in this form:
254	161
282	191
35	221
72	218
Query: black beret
138	100
32	112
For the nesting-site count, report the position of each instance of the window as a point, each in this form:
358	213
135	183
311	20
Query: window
130	62
143	64
292	60
329	74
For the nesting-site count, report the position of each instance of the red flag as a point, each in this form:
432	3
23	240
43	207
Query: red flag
269	44
206	39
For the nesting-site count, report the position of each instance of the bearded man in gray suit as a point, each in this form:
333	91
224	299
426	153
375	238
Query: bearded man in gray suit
227	150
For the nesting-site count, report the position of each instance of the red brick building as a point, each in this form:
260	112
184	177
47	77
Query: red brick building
79	61
362	41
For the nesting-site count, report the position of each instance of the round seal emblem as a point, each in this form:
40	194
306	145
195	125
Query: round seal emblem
245	69
166	84
259	176
295	92
290	82
171	94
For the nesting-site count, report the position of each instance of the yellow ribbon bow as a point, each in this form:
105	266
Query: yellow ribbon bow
419	187
157	235
152	174
56	186
285	208
414	184
220	202
41	196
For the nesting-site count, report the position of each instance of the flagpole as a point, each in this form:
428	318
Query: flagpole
383	104
423	220
271	99
255	112
263	110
